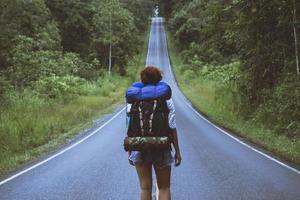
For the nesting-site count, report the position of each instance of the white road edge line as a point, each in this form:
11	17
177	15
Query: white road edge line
62	151
243	143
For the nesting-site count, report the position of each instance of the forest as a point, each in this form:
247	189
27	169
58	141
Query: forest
54	57
242	57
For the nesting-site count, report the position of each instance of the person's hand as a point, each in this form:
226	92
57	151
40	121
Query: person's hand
177	159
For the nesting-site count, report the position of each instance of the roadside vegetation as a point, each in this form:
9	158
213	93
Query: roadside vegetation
53	69
240	57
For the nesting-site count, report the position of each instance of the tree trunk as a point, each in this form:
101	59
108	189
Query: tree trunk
295	36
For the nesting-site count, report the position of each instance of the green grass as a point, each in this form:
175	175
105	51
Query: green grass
31	126
204	95
28	130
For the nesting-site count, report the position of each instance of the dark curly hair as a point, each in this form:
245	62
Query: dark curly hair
151	75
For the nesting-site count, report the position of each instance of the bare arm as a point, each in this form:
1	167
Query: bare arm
176	147
175	141
172	125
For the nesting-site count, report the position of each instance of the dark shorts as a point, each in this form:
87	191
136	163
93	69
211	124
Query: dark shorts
158	159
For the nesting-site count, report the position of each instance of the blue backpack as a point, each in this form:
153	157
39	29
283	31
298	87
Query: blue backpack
148	115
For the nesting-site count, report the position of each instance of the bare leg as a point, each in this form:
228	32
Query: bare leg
163	176
145	176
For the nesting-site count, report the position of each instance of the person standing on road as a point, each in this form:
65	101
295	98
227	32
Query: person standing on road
160	159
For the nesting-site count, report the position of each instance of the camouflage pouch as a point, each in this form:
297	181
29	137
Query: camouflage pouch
146	143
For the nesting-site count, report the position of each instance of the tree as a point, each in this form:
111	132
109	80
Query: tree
295	36
75	19
121	33
141	10
26	18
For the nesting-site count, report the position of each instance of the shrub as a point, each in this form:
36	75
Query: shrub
280	109
29	64
189	74
4	87
59	87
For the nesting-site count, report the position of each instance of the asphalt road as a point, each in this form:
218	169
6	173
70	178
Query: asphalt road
215	166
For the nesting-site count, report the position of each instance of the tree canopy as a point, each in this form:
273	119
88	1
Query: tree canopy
36	34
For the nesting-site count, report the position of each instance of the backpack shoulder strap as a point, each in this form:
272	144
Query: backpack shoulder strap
152	114
141	117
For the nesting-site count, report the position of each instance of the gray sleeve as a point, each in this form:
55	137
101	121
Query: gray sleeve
172	121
